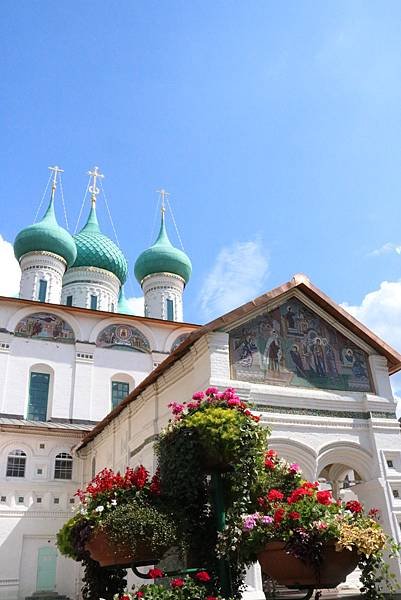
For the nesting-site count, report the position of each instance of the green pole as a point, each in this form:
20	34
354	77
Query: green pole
218	501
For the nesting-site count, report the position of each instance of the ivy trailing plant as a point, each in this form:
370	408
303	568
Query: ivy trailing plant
216	431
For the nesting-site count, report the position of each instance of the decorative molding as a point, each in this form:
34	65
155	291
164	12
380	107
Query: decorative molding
316	412
146	441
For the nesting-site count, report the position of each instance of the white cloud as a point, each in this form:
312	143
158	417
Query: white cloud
10	273
237	276
137	305
387	248
380	310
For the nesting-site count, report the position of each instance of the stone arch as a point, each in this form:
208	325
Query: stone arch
175	338
348	454
297	452
51	322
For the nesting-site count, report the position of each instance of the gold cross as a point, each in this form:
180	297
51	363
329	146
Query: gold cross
163	195
95	173
56	170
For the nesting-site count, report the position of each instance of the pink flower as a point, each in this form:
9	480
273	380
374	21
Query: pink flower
212	391
294	468
203	576
266	520
198	396
193	405
176	408
233	402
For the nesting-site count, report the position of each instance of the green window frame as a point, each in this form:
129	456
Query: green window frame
119	389
170	309
38	396
42	290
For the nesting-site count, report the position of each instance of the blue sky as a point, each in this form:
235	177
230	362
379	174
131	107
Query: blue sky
276	128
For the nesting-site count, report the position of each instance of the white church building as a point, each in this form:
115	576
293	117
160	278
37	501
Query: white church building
84	385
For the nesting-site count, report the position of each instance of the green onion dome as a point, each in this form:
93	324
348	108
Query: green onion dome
123	307
46	236
162	257
94	249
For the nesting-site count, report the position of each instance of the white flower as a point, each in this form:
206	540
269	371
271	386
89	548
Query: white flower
99	509
113	502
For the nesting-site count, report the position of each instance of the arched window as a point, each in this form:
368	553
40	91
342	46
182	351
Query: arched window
121	385
63	466
16	462
38	396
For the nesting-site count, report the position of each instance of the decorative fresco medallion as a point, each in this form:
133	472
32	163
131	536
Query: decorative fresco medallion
125	337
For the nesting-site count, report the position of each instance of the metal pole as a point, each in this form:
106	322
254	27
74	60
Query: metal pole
218	501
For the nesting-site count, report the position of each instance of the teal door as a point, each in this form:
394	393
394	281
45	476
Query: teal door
47	563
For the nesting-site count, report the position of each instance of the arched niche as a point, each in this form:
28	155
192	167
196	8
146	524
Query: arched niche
45	326
179	340
123	337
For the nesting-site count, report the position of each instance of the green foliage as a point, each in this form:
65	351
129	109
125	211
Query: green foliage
99	582
65	539
134	525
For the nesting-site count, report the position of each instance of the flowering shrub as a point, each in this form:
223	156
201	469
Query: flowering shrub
180	588
129	508
306	519
213	432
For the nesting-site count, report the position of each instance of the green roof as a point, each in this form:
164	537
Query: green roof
46	236
162	257
94	249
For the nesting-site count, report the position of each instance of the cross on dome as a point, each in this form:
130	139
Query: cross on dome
95	173
163	195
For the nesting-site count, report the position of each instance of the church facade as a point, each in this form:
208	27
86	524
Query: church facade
84	385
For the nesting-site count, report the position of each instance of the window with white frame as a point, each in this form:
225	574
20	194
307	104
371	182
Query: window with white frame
16	462
63	466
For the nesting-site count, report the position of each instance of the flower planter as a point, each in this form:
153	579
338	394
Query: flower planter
107	553
287	570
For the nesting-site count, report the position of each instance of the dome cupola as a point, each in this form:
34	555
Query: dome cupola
163	257
46	236
94	249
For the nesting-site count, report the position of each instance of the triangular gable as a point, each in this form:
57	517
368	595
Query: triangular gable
292	344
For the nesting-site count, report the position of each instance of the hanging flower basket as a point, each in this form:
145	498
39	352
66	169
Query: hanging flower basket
107	553
287	570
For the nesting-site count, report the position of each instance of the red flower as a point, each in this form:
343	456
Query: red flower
278	515
324	497
294	515
203	576
126	597
374	513
354	506
211	598
271	454
155	483
155	573
298	494
275	496
269	464
177	583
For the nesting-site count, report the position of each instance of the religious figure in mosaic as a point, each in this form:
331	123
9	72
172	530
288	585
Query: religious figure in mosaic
125	337
291	345
45	326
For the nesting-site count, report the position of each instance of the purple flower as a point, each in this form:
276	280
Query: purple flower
294	468
266	520
249	523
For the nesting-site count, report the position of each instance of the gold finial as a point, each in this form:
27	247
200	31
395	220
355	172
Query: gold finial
163	195
56	170
95	173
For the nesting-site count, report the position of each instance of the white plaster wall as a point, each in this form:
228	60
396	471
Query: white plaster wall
42	265
24	527
83	282
157	289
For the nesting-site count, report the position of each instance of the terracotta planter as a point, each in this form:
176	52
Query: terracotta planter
293	572
107	553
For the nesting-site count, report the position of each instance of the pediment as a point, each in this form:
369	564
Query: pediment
293	343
